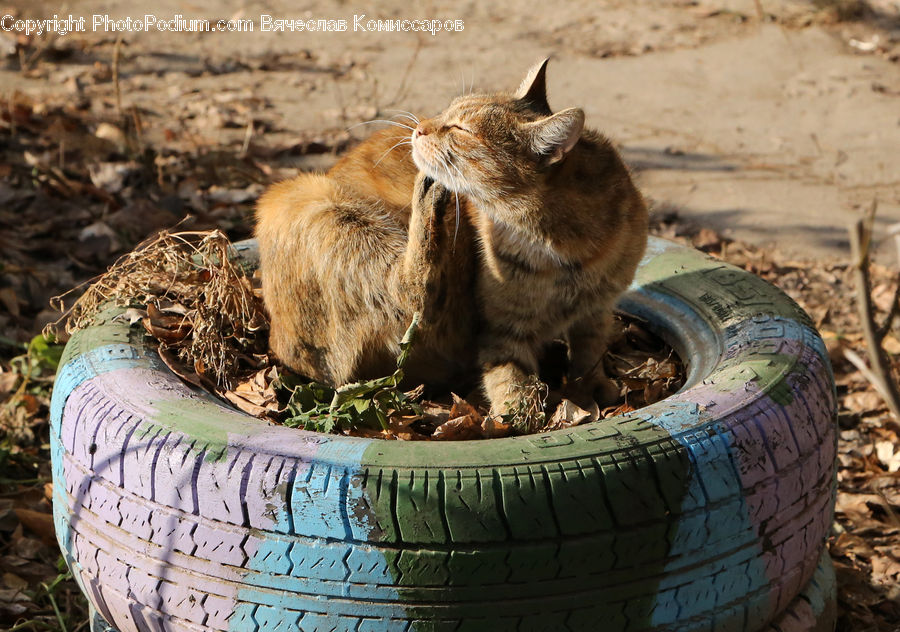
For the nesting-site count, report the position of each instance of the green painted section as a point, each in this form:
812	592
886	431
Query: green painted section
104	330
192	417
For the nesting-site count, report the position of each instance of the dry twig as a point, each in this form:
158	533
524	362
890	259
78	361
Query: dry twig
879	374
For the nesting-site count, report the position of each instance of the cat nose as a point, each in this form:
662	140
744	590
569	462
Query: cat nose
420	131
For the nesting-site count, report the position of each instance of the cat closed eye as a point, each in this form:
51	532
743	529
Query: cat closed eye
458	127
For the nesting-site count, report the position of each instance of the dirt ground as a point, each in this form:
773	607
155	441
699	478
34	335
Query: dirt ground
757	129
773	121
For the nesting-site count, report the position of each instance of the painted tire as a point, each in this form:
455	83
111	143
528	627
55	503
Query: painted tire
706	511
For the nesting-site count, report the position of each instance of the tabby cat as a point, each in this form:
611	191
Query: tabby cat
507	226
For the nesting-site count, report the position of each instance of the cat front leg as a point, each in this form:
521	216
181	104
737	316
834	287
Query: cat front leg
424	267
509	374
587	378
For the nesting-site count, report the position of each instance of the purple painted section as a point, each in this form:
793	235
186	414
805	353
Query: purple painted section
170	509
775	421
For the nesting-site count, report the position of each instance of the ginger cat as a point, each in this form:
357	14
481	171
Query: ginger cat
508	227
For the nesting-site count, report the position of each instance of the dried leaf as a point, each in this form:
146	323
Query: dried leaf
40	523
707	239
247	406
258	390
492	428
8	382
863	402
886	568
458	429
612	411
183	372
132	315
14	582
10	301
891	344
462	408
569	414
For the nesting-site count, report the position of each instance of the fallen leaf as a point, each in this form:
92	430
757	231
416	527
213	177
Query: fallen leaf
462	408
492	428
245	405
612	411
258	391
8	381
852	546
111	176
28	548
885	569
191	377
113	134
98	230
13	581
863	402
568	414
10	301
891	344
707	239
41	524
458	429
132	315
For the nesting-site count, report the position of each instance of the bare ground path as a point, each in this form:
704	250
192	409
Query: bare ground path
774	127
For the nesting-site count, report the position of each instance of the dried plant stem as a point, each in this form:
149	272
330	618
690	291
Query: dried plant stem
401	89
879	374
194	269
894	309
115	74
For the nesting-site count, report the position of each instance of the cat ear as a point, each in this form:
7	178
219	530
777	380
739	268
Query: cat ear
533	89
553	137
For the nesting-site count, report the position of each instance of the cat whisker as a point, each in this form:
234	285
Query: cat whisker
456	230
412	117
450	162
442	159
388	122
404	141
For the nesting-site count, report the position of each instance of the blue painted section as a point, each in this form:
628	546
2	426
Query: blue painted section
826	582
69	377
326	502
88	365
713	476
72	375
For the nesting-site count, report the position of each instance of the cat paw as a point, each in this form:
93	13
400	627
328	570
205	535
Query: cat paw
431	197
423	185
524	408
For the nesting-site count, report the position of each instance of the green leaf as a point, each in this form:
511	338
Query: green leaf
407	342
45	352
322	408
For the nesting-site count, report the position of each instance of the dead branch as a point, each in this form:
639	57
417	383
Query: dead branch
894	309
879	374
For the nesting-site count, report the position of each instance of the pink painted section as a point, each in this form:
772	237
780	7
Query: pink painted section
784	455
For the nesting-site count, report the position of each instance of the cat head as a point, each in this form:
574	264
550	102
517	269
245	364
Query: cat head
492	145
